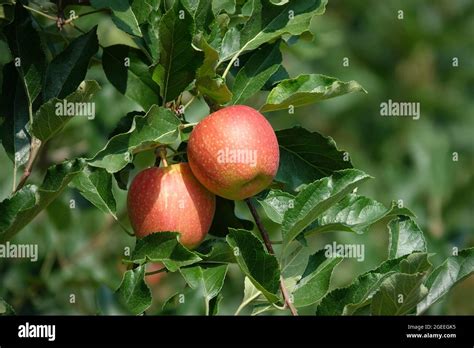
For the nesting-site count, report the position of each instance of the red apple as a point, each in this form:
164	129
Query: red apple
170	199
234	152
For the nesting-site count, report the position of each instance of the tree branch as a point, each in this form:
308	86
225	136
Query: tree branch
34	150
268	244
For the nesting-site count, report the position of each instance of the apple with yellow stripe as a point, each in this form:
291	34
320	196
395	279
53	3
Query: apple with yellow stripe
234	152
170	199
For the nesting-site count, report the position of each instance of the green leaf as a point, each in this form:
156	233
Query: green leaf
214	304
143	9
278	76
453	270
316	198
201	12
15	106
178	59
208	82
307	89
230	44
307	156
122	15
225	217
25	45
251	293
126	70
256	263
219	6
276	203
345	301
399	294
209	279
18	210
95	185
7	13
268	22
158	126
52	116
405	237
5	308
133	292
68	69
355	214
315	281
163	247
255	73
215	251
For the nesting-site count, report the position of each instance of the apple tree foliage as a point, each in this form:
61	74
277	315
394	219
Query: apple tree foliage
219	52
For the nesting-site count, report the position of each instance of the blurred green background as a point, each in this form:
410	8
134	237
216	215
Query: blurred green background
406	60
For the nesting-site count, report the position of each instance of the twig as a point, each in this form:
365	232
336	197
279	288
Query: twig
268	244
34	150
161	270
40	13
69	20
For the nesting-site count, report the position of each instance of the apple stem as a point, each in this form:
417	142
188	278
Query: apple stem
162	154
268	244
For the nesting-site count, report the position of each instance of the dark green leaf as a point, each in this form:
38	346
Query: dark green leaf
52	116
201	12
7	13
163	247
126	70
178	59
307	89
225	217
95	185
214	304
256	263
68	69
158	126
307	156
26	47
122	15
315	280
15	107
316	198
256	72
405	237
443	278
133	292
278	76
18	210
143	8
215	251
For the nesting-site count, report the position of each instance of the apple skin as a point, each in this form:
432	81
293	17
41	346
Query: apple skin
170	199
233	130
